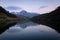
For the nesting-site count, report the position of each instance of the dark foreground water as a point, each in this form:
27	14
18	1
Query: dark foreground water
33	31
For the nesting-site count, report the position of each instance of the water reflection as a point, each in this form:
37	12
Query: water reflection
31	31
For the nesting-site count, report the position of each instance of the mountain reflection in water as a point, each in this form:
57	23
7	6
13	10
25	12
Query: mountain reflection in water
32	31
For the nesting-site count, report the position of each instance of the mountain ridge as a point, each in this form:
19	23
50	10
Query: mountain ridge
27	14
51	19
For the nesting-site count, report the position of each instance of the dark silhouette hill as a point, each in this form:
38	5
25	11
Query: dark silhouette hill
51	19
6	19
6	12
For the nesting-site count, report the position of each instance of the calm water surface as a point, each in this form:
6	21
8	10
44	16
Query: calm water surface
30	30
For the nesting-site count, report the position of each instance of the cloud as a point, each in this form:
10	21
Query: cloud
13	8
43	7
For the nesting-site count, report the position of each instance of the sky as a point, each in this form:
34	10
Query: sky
38	6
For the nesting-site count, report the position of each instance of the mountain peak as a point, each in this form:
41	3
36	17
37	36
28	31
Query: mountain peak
27	14
23	11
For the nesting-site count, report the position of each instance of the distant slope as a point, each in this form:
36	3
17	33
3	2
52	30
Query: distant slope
51	19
